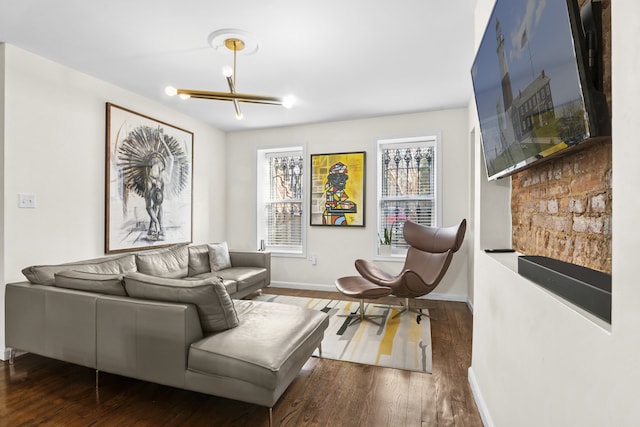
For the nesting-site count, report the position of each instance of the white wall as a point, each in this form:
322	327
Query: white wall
337	248
536	360
54	146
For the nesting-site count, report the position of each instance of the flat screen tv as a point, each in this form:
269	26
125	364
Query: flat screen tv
537	83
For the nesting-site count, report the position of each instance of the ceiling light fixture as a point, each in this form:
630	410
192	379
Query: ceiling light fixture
235	44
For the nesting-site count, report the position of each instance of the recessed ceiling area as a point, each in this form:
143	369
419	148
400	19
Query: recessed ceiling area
340	60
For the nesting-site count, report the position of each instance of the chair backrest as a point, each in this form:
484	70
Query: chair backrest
434	239
429	256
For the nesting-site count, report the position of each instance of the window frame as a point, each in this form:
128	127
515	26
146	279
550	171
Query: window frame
261	227
431	139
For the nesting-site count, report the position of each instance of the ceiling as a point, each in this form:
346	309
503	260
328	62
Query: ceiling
339	59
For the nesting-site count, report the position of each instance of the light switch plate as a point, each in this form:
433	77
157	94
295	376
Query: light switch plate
26	200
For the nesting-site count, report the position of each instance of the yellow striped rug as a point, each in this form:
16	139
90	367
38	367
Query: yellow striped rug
399	343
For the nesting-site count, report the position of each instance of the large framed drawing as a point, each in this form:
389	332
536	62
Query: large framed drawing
149	182
338	189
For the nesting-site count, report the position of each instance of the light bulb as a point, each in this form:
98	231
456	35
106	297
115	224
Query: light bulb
184	96
227	71
288	101
171	91
239	116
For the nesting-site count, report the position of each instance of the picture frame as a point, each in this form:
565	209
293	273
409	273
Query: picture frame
149	182
338	189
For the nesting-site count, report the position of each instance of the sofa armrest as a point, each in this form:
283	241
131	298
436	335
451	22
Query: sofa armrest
251	259
53	322
148	340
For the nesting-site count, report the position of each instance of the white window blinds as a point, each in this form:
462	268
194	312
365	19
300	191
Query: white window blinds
407	186
280	200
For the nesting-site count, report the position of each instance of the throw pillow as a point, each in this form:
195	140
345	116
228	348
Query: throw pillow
110	284
171	262
214	305
219	257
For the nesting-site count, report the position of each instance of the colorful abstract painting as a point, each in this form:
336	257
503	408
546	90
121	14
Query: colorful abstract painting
338	189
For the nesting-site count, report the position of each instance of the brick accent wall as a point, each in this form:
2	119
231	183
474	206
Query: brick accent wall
562	208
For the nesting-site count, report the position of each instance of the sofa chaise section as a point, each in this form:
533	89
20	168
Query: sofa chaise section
256	361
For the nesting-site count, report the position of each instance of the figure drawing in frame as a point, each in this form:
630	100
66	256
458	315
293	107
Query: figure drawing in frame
151	184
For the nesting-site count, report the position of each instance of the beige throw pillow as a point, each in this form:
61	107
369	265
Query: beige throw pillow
219	257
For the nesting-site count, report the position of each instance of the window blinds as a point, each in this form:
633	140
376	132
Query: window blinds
281	200
407	187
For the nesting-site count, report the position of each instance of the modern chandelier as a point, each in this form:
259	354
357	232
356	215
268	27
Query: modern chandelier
235	43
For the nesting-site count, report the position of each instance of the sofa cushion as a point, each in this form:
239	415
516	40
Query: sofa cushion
44	274
199	260
259	352
243	276
110	284
219	257
230	285
170	262
215	307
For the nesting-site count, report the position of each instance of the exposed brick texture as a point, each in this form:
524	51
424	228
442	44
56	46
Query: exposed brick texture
562	208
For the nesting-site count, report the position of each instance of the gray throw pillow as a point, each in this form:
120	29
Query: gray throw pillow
214	305
219	257
171	262
110	284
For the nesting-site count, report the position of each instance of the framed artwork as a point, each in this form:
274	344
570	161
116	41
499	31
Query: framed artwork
338	189
149	182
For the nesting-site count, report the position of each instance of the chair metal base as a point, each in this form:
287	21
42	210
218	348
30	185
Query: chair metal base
361	317
406	308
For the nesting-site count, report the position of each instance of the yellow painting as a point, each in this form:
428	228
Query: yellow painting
338	189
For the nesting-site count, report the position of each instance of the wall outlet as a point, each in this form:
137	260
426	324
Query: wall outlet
314	259
26	200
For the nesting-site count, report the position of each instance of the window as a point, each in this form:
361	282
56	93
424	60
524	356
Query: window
408	186
280	200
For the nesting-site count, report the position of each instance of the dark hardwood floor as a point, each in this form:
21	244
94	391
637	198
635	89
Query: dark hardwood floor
40	391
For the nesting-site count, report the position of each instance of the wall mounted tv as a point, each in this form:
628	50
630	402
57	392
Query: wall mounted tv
538	83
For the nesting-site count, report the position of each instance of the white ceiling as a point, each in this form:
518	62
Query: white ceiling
340	59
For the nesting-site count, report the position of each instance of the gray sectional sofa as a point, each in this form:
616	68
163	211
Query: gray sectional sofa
169	316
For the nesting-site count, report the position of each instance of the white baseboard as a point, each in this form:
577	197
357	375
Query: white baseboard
480	403
470	305
304	286
6	354
445	297
332	288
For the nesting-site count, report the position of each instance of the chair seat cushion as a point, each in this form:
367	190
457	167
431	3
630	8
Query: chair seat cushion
359	287
265	345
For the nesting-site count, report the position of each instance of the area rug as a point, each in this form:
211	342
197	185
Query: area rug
399	343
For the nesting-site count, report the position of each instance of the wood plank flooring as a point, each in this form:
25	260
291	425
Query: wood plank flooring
40	391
